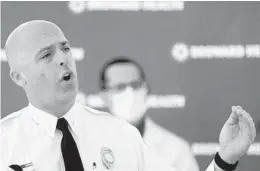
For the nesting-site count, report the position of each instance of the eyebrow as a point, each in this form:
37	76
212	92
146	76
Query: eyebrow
64	43
49	47
43	49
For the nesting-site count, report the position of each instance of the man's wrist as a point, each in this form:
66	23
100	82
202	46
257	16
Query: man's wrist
226	158
221	163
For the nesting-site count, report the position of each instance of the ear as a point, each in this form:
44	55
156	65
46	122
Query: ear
18	78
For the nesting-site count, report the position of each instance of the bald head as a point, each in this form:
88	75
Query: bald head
28	39
41	63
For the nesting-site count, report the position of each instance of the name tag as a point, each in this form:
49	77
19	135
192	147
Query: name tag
28	167
23	167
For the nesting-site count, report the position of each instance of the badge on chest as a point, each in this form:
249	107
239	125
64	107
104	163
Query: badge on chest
107	157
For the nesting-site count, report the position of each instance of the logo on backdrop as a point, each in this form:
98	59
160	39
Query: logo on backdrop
182	52
79	7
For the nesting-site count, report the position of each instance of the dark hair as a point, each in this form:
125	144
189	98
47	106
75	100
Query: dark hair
117	60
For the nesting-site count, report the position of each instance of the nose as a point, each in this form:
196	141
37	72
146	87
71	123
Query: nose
62	58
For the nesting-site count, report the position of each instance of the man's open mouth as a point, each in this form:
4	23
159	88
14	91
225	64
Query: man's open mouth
67	76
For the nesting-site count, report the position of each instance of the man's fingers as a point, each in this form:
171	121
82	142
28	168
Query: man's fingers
233	118
245	117
247	123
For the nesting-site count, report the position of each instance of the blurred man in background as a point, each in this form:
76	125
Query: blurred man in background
124	90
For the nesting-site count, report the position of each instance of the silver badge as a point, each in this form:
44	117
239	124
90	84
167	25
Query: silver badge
107	157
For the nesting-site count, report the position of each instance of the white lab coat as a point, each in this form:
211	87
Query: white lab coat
172	148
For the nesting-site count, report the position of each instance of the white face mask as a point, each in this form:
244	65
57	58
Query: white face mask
129	105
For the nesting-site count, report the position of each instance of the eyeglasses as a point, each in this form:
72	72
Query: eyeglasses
120	87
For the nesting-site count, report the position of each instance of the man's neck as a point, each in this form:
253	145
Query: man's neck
57	110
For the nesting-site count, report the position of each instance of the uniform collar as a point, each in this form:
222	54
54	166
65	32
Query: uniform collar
73	118
48	122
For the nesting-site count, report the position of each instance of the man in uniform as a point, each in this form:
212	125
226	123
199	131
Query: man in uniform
53	133
124	90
